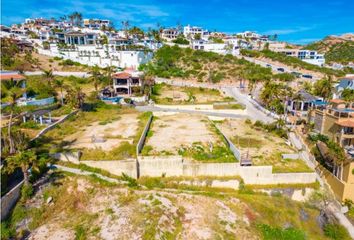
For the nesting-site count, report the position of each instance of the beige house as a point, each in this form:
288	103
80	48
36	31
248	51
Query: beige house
337	122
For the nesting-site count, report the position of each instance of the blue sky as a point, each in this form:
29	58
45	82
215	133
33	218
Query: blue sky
297	21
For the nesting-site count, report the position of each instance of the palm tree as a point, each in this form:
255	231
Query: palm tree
60	84
125	27
147	81
48	75
323	87
25	160
108	73
96	76
75	96
13	89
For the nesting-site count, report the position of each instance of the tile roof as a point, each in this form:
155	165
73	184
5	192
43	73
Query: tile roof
122	75
345	122
337	101
9	76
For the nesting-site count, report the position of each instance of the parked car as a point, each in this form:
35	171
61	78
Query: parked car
307	76
280	69
296	74
268	65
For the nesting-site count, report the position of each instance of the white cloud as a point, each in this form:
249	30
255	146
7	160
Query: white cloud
288	31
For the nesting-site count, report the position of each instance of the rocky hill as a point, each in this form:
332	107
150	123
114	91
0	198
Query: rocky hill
339	49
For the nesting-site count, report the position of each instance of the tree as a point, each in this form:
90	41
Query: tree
125	25
76	18
75	96
25	160
147	81
197	36
96	76
48	76
59	83
137	32
14	90
348	95
323	87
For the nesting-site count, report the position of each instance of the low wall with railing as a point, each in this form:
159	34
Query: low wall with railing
39	102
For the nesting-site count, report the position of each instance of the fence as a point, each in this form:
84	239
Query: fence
43	131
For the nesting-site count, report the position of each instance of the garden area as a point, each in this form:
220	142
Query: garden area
192	136
167	94
264	145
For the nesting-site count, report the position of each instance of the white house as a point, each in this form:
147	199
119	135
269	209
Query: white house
221	48
190	32
308	56
170	33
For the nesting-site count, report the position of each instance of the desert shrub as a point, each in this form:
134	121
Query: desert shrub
336	232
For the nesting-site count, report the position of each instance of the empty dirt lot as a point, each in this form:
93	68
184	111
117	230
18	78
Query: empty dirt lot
265	148
167	94
171	132
106	135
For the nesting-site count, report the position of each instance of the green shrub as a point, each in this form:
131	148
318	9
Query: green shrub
7	232
30	124
26	191
276	233
336	232
131	181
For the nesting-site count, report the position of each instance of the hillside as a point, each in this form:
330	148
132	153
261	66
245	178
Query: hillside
339	49
176	62
71	207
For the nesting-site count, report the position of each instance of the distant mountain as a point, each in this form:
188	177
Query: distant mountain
339	49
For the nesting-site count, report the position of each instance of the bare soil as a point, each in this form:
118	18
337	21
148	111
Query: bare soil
170	132
107	135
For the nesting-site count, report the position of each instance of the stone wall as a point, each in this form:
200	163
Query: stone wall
9	200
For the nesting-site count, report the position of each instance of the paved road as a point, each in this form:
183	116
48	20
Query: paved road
275	67
152	108
64	74
254	110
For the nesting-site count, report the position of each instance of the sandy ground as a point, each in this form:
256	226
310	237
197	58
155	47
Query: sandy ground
176	95
181	94
170	132
111	134
44	63
270	144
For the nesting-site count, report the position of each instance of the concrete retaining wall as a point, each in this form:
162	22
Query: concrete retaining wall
9	200
117	167
174	166
158	166
231	146
141	142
